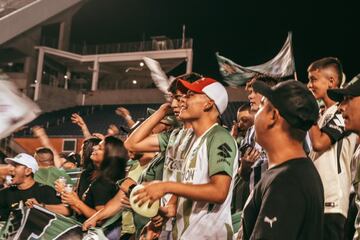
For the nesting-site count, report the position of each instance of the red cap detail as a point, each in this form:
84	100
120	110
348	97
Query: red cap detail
198	85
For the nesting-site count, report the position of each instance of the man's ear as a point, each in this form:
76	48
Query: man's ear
332	82
209	105
273	117
28	171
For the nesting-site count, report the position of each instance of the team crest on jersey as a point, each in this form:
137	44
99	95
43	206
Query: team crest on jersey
173	164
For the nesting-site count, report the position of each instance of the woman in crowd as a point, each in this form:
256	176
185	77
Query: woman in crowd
108	163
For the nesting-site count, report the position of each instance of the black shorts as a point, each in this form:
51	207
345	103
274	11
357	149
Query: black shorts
334	224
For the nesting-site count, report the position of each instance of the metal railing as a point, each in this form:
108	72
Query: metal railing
154	45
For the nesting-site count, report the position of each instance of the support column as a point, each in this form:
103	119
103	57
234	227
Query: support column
67	77
95	75
39	73
27	71
64	35
189	61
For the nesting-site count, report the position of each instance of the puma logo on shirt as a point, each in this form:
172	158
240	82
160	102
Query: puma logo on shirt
270	221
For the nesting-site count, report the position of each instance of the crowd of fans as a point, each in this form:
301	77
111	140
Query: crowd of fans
288	168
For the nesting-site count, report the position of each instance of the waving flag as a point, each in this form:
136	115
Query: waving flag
38	223
15	108
281	66
161	80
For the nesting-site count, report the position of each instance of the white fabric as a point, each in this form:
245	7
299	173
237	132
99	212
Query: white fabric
217	92
336	185
15	108
26	160
206	221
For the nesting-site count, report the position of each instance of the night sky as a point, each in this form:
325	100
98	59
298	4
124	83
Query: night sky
248	32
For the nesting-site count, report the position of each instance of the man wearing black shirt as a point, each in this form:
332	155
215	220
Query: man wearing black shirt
24	188
288	202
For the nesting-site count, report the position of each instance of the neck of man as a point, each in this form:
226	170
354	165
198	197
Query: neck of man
187	125
202	124
278	155
328	102
28	183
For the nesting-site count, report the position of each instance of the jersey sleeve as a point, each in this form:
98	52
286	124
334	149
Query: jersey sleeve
102	192
222	151
335	128
163	138
280	217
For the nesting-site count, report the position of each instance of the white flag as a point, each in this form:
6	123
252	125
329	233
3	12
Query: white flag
158	75
15	108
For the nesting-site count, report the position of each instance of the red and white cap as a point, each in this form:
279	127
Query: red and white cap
212	88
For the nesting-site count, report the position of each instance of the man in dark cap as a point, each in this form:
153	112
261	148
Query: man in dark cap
288	201
349	99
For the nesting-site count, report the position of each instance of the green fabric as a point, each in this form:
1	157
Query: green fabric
236	221
140	222
58	225
153	172
155	169
163	138
48	176
221	150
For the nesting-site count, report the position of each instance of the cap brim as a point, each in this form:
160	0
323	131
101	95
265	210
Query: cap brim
263	89
191	86
11	160
337	94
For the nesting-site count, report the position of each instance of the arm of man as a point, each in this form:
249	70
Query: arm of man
78	120
115	205
215	191
58	208
44	139
333	131
280	217
48	199
141	139
123	112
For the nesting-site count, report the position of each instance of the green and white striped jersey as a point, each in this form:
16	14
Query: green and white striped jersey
176	144
213	153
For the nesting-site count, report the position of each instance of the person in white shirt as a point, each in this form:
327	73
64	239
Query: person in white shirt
332	146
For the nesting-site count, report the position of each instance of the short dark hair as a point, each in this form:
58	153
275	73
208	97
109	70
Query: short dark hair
190	77
328	62
73	158
268	80
45	153
296	133
244	107
42	150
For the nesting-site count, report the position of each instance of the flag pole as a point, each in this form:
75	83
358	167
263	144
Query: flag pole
183	36
292	53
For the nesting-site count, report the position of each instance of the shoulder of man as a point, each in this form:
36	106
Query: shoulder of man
222	151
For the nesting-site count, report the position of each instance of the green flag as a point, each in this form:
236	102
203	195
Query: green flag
281	66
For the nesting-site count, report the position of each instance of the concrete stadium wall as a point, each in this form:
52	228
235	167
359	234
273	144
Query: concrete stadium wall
31	144
56	98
